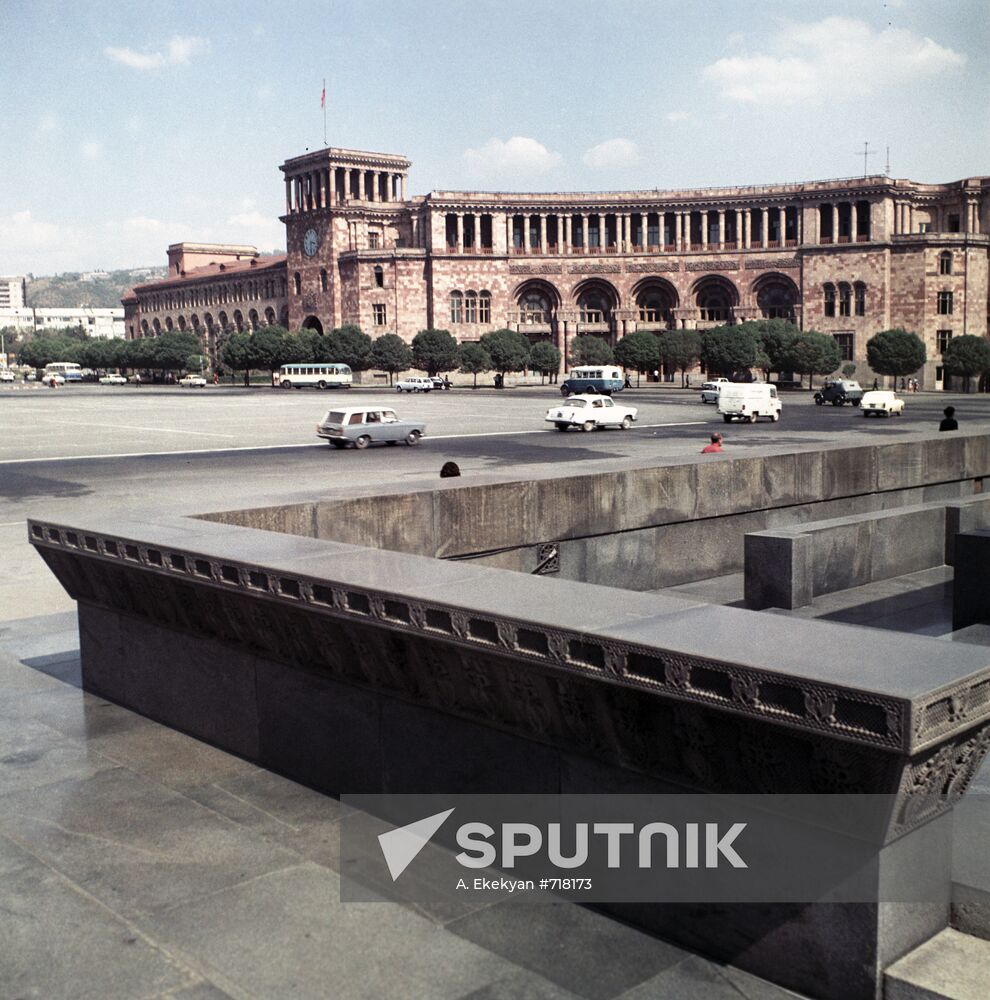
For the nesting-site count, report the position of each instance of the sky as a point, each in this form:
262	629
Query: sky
130	126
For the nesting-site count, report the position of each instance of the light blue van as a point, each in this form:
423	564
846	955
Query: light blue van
605	379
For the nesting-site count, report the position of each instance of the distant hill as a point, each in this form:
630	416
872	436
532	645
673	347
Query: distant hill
96	289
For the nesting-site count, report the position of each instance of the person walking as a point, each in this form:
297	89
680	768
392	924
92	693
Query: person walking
949	422
714	446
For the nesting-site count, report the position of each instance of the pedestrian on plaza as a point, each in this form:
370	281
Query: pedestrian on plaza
628	384
876	384
949	422
216	379
715	446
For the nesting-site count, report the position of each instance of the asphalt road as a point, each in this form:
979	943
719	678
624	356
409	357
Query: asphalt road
87	448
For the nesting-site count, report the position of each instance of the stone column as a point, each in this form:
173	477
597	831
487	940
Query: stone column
402	185
643	219
288	195
764	228
747	228
721	228
478	241
687	230
508	234
835	223
460	232
601	233
361	192
853	221
678	229
704	229
584	233
910	218
782	226
543	232
415	230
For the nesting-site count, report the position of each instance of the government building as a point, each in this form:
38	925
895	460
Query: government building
847	257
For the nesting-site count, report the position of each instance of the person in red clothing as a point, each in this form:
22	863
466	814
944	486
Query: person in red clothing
716	445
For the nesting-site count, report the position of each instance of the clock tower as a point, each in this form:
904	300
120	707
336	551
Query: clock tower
339	203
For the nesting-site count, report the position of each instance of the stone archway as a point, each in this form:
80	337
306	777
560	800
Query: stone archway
313	323
776	296
715	297
596	302
656	300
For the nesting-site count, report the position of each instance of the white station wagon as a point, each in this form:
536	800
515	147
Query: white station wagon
361	425
882	402
414	383
589	412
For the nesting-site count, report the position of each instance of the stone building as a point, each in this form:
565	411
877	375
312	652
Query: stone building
847	257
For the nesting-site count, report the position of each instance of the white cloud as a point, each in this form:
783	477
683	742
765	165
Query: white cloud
47	125
91	149
831	59
677	116
612	154
519	155
179	50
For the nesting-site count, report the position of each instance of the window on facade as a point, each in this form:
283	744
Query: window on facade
942	338
860	293
534	307
945	263
485	307
953	223
374	241
845	299
379	277
844	341
945	303
456	307
830	300
297	282
471	307
381	318
323	279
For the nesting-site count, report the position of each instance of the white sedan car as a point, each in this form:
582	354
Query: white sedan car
113	379
589	411
53	379
882	402
193	381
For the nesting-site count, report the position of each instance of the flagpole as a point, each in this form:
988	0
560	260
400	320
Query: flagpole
324	103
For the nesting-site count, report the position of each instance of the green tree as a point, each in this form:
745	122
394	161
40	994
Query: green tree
170	350
966	356
544	358
848	369
345	345
773	339
237	355
271	347
473	359
508	350
639	351
100	353
680	350
390	353
895	352
42	350
197	363
812	353
727	349
590	350
434	351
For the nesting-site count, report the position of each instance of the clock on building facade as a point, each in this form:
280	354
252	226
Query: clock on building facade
311	242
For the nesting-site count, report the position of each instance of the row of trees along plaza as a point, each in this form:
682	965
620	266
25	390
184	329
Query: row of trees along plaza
769	346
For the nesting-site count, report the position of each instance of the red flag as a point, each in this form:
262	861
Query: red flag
323	98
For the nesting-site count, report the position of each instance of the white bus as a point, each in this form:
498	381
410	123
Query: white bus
319	375
69	370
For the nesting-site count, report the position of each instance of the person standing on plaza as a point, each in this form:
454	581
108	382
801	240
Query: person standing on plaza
715	446
949	422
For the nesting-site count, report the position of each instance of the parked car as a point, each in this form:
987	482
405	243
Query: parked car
709	391
361	425
841	391
414	383
882	402
748	401
6	375
113	379
590	411
193	382
440	383
52	378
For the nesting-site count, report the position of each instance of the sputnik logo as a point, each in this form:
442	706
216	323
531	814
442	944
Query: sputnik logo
401	846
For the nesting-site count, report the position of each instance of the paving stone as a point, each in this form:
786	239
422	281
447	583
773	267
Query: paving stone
134	844
570	946
56	942
698	979
951	966
312	946
521	986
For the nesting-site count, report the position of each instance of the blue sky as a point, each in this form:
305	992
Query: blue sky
134	125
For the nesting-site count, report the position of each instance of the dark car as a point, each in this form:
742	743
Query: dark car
839	392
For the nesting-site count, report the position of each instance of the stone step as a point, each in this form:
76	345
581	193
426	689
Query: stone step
950	966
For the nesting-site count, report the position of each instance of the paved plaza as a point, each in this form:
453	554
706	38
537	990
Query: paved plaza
138	862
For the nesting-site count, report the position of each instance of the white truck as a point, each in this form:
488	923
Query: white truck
748	401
